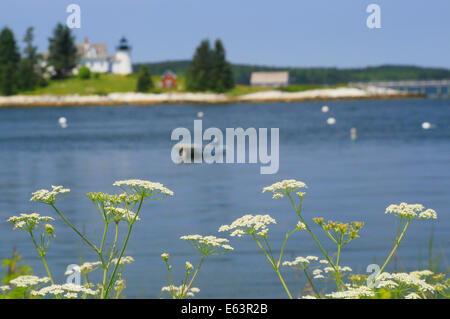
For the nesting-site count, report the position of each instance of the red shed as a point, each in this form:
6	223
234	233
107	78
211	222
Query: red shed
169	80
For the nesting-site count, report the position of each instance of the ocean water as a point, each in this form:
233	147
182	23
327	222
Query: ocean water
393	160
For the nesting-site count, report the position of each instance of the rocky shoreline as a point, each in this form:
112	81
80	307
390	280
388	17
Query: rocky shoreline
132	98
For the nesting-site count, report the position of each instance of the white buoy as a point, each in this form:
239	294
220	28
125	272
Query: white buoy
331	121
325	109
62	122
426	125
200	114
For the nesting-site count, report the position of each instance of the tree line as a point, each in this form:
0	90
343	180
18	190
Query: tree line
317	75
207	71
25	70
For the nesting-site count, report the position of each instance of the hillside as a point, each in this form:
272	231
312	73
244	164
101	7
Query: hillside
329	76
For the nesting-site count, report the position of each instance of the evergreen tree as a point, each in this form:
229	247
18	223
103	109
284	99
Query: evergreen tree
29	73
198	75
62	51
9	63
221	74
144	82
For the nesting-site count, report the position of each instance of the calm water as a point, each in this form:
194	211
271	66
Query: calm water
393	160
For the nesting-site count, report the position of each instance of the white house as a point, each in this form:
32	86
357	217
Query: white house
95	56
272	79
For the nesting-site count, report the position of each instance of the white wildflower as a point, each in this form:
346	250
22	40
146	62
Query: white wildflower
209	245
123	260
353	293
28	281
284	187
4	288
302	262
248	224
165	256
413	211
412	295
144	188
122	214
408	280
49	197
29	222
179	291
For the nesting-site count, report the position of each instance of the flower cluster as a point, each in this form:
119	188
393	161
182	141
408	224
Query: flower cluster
67	290
248	224
28	281
144	188
340	233
84	268
31	222
123	261
300	262
352	293
208	245
411	211
280	189
179	291
407	280
49	197
118	214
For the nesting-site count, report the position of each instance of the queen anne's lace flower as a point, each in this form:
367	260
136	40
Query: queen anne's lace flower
405	279
30	221
4	288
69	290
189	266
49	197
412	295
165	256
144	188
300	262
248	224
84	268
178	291
353	293
308	297
123	260
28	281
280	189
208	245
119	214
413	211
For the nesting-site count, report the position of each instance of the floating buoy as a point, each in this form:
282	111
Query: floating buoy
426	125
353	134
325	109
62	122
200	114
331	121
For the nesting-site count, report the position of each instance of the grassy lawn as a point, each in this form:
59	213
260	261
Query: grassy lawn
110	83
104	84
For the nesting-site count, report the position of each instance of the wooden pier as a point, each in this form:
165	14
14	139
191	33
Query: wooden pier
442	87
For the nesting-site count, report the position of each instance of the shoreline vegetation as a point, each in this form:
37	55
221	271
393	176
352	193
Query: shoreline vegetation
260	95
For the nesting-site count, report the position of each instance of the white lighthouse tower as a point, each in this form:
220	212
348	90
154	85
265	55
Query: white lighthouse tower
122	61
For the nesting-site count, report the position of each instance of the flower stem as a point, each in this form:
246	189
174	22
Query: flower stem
195	275
315	239
397	242
275	267
123	249
42	257
76	230
311	283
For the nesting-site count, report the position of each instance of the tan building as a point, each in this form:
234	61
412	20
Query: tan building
272	79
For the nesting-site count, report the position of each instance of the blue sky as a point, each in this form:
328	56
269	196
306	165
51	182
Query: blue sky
282	32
